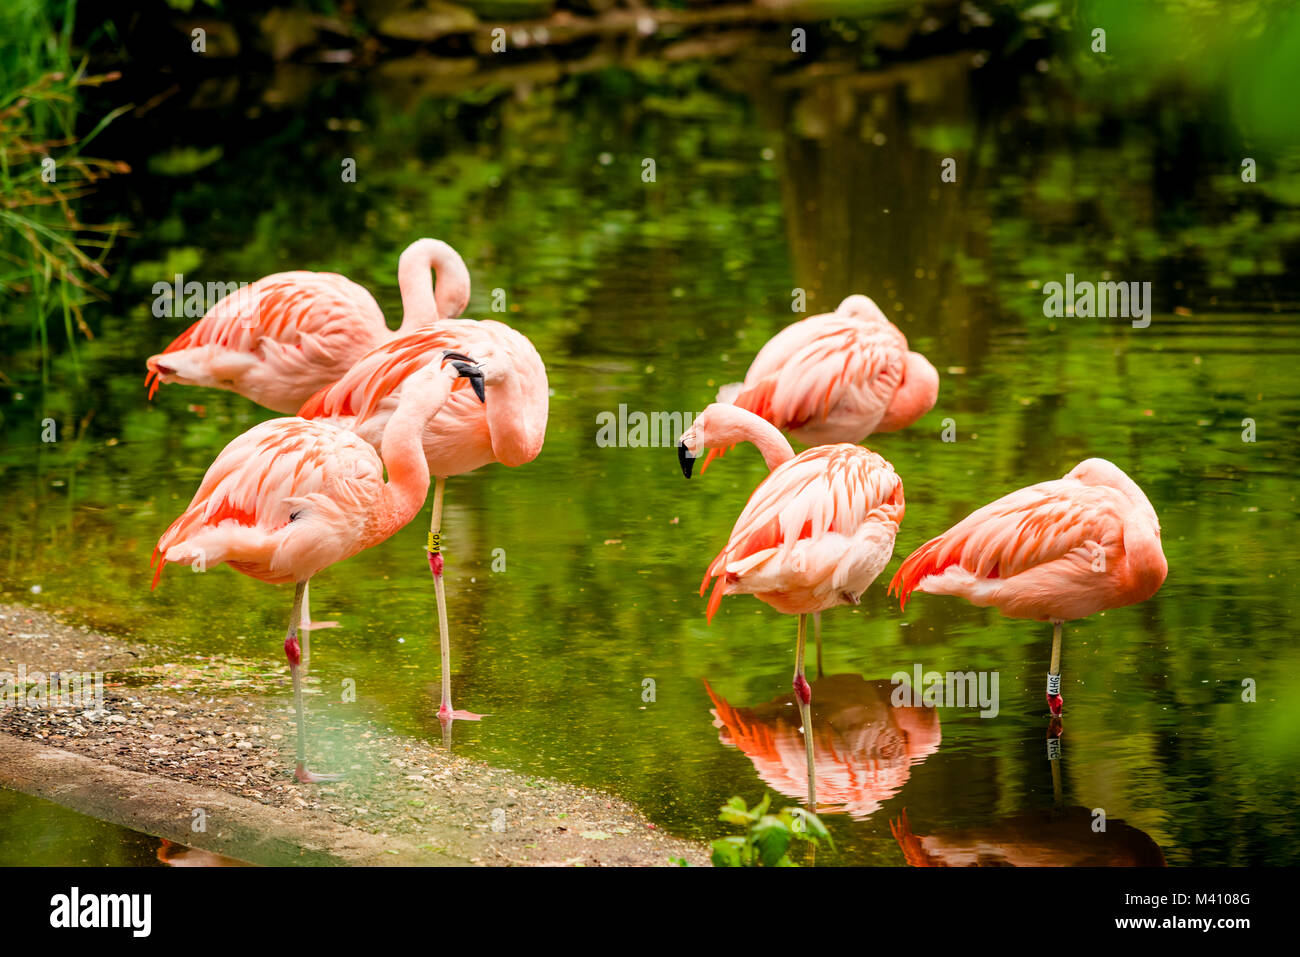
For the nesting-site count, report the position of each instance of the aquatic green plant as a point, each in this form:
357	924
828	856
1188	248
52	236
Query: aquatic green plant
768	837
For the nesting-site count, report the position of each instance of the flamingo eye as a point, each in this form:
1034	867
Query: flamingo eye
294	516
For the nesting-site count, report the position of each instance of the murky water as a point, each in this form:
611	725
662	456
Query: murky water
38	833
651	295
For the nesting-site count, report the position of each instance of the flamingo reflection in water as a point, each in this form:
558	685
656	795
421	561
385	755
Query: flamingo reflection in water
182	855
864	747
1058	836
1050	837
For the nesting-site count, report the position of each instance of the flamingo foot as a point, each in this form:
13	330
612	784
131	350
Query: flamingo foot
1055	703
311	777
446	714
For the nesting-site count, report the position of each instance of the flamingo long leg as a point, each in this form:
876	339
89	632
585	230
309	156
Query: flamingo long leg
1054	700
293	652
804	694
444	639
445	711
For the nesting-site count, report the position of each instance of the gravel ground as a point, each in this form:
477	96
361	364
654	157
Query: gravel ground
195	720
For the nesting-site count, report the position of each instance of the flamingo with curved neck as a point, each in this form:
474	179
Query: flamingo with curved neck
815	533
1055	551
837	377
291	497
284	337
509	430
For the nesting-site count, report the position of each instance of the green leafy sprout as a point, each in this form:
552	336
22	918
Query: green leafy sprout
768	837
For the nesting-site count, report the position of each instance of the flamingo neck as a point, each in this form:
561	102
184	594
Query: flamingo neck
745	426
402	450
422	304
775	448
1143	553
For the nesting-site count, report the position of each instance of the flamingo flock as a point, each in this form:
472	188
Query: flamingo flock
368	399
283	338
294	495
821	527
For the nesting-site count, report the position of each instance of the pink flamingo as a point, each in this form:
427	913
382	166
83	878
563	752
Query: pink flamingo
1054	552
837	377
290	497
282	338
814	534
509	429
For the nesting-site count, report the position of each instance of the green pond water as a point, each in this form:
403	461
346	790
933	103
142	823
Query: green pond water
34	832
651	295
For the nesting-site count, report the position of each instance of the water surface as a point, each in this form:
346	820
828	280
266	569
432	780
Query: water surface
654	294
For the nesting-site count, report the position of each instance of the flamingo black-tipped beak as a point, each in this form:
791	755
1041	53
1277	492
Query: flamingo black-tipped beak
468	370
475	375
686	459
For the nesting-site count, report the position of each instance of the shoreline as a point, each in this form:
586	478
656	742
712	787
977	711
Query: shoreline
176	736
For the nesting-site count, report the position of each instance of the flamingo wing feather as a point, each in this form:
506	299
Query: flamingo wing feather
827	494
1022	530
264	475
304	327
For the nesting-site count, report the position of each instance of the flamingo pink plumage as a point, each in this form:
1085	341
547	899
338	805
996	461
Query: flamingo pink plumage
814	534
837	377
1055	551
466	435
287	335
291	497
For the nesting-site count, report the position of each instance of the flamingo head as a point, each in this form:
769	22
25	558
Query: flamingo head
689	446
465	367
721	426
